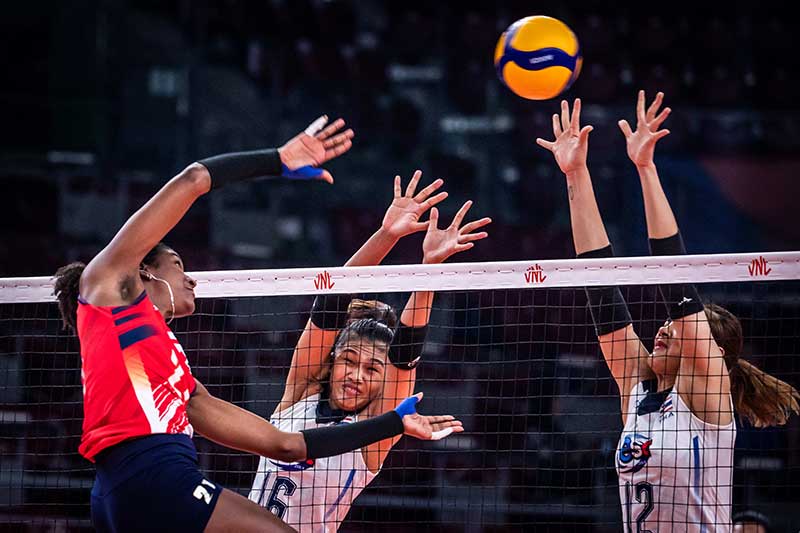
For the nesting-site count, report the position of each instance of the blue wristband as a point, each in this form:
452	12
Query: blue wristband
303	173
407	407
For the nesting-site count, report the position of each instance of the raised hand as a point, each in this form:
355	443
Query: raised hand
313	147
572	142
642	142
402	217
428	427
439	244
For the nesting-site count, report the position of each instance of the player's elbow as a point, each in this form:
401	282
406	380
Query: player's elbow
196	177
289	448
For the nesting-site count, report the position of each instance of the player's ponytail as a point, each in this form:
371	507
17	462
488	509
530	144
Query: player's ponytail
760	398
373	309
65	289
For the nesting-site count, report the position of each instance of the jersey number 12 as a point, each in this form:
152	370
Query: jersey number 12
643	493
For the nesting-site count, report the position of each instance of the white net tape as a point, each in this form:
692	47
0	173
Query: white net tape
768	266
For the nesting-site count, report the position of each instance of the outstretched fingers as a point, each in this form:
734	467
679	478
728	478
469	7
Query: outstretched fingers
660	118
640	113
556	125
338	139
475	224
433	220
575	124
470	237
432	201
564	115
625	127
442	419
337	150
445	422
660	134
461	214
314	128
332	128
412	185
398	187
584	134
653	109
545	144
427	191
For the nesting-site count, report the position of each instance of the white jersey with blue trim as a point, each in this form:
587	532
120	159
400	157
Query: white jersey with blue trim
313	495
675	471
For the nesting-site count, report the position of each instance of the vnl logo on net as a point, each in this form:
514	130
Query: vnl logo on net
758	267
535	274
323	281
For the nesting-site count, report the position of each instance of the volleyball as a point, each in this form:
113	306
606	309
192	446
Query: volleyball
538	57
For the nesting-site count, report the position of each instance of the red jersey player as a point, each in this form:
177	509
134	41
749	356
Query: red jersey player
141	403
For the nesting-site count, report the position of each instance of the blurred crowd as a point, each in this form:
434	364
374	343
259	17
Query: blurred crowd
99	119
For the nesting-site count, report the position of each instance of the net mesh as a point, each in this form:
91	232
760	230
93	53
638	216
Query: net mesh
520	367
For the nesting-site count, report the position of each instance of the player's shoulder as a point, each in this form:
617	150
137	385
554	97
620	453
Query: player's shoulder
300	409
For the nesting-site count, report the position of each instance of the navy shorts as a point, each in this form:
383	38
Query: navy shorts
152	484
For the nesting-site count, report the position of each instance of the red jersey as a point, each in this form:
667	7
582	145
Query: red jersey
136	380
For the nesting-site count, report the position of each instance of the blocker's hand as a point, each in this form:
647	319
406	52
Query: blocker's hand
572	141
439	244
426	427
402	216
642	142
314	146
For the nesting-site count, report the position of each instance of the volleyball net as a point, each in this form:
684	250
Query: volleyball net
511	351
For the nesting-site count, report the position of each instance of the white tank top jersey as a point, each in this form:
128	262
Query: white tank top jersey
312	495
675	471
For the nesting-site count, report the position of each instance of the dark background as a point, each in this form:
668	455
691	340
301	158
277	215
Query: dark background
101	102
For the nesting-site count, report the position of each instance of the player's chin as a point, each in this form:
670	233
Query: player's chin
659	362
349	403
185	308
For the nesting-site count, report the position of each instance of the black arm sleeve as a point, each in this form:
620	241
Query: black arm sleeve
681	299
336	440
405	351
609	310
240	166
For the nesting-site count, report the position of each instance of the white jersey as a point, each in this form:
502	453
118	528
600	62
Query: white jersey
313	495
675	471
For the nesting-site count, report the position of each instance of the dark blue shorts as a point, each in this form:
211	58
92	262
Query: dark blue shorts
152	484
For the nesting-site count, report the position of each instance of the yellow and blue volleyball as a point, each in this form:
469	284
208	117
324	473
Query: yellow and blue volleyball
538	57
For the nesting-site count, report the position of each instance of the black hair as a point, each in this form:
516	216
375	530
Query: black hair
66	285
65	289
367	329
377	310
151	259
751	516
